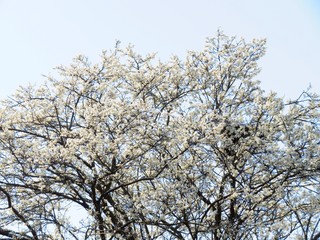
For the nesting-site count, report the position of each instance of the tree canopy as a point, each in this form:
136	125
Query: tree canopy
135	148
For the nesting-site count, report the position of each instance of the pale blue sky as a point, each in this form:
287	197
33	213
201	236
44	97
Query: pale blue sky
37	35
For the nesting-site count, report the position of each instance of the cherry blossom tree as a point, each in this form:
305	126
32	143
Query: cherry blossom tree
135	148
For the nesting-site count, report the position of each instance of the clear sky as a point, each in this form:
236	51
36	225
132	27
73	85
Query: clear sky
37	35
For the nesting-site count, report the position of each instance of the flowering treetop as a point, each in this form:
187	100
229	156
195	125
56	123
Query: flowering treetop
183	149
